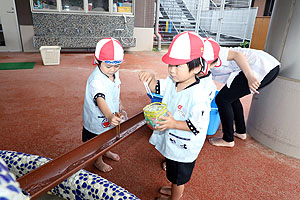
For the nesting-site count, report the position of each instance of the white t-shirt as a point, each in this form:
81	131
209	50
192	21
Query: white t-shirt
100	86
191	105
260	62
208	85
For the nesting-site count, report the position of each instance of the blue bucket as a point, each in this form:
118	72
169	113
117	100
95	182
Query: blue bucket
214	118
155	98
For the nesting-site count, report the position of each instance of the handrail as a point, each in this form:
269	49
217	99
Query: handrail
44	178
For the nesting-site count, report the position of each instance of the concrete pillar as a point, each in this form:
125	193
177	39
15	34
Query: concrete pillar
274	116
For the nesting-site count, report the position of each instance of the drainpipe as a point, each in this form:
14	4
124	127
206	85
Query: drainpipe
156	25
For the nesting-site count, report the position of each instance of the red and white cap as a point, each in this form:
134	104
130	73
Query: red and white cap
109	50
211	53
184	48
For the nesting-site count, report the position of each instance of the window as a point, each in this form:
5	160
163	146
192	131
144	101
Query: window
45	4
72	5
98	5
87	6
122	6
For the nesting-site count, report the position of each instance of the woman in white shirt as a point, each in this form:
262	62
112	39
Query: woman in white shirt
244	71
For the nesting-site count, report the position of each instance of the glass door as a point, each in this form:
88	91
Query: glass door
9	28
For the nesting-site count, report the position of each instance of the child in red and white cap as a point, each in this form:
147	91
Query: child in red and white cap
102	95
181	134
209	60
244	71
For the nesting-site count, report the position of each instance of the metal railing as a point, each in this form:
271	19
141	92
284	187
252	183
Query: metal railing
229	23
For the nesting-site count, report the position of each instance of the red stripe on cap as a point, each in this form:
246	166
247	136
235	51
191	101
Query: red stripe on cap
196	46
193	47
106	51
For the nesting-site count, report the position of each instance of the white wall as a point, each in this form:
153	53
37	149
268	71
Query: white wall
291	50
144	39
27	34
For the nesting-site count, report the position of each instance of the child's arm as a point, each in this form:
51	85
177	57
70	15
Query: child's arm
113	120
149	78
170	123
242	62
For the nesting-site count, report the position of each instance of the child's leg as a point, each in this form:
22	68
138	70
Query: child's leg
239	119
178	174
173	193
177	191
239	88
101	165
112	156
269	77
240	126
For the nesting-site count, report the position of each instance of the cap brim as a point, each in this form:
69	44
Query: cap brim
94	61
172	61
218	63
205	69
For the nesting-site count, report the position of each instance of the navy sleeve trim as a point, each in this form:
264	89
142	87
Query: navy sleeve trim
181	138
157	87
98	95
192	127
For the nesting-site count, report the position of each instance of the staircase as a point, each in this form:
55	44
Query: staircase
230	22
175	18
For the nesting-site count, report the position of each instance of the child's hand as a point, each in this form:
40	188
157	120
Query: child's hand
253	83
146	77
167	123
114	120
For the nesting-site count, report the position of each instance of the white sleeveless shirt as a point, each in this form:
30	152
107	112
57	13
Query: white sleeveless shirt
99	84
